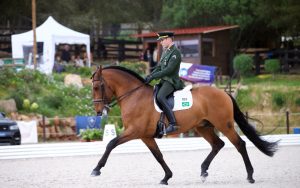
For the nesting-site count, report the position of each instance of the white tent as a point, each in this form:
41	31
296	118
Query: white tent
50	33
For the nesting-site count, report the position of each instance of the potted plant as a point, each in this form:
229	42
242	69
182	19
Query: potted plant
89	135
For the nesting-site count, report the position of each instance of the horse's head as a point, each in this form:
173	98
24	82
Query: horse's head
102	94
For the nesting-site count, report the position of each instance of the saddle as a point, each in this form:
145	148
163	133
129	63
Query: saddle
179	100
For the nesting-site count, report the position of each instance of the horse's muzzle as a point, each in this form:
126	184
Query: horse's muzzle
103	112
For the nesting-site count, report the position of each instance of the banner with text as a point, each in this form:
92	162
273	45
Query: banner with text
196	73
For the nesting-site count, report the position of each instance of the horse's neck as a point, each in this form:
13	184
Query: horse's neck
121	85
124	89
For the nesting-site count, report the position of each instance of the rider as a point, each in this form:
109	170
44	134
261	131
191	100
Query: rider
167	71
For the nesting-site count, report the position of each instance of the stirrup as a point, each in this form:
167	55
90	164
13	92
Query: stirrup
171	128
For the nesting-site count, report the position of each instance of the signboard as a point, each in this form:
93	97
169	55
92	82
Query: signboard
87	122
109	132
28	132
196	73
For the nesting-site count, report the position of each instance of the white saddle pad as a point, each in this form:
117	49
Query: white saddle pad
183	99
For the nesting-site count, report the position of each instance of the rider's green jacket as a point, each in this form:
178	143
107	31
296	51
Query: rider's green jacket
168	67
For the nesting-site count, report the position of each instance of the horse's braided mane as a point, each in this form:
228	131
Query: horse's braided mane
136	75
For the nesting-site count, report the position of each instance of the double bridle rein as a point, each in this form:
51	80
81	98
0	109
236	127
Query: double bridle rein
104	99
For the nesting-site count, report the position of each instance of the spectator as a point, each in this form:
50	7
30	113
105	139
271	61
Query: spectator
78	62
58	66
154	59
65	56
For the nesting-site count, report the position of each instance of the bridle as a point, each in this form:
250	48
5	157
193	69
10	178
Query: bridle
104	98
108	104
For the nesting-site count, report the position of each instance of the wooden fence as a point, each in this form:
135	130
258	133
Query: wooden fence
289	58
118	49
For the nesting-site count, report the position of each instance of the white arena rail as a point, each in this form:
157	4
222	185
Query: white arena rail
135	146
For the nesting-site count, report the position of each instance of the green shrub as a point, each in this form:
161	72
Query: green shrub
48	112
6	74
30	75
83	71
53	101
272	66
35	87
278	99
91	134
243	64
58	77
297	102
18	99
139	67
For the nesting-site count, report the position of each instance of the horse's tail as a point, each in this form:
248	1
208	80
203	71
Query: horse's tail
268	148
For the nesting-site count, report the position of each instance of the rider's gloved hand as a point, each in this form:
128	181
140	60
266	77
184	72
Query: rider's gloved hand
148	79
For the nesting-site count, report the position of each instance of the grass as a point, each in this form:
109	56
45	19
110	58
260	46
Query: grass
275	123
267	99
264	93
279	80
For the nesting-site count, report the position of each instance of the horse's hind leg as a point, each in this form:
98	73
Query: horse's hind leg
151	144
207	132
240	145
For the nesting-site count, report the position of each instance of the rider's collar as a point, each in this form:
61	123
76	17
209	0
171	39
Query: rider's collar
171	47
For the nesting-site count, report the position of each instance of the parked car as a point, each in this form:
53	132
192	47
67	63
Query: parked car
9	131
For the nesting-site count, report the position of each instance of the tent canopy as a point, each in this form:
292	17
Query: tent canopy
50	33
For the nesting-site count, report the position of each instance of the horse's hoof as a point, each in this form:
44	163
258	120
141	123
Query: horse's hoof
163	182
250	180
204	176
95	173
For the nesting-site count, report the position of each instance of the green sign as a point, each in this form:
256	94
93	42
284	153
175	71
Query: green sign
184	104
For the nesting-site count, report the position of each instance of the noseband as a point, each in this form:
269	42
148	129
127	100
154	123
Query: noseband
104	98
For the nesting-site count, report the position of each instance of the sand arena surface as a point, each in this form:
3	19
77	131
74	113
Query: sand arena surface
137	170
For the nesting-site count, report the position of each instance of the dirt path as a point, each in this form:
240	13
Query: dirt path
137	170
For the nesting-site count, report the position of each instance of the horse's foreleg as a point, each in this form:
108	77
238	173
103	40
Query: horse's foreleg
110	146
207	132
151	144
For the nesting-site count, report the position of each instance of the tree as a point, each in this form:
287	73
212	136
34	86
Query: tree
15	14
95	16
191	13
260	22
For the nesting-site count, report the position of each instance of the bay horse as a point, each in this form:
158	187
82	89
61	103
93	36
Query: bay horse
212	109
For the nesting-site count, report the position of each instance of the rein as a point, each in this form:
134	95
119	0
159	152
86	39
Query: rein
117	99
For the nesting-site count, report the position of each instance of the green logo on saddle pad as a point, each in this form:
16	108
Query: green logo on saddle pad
185	104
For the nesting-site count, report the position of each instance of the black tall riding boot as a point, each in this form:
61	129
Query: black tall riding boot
171	117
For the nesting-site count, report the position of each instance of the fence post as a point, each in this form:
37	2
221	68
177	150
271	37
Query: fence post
287	122
286	61
230	85
247	116
44	129
257	63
